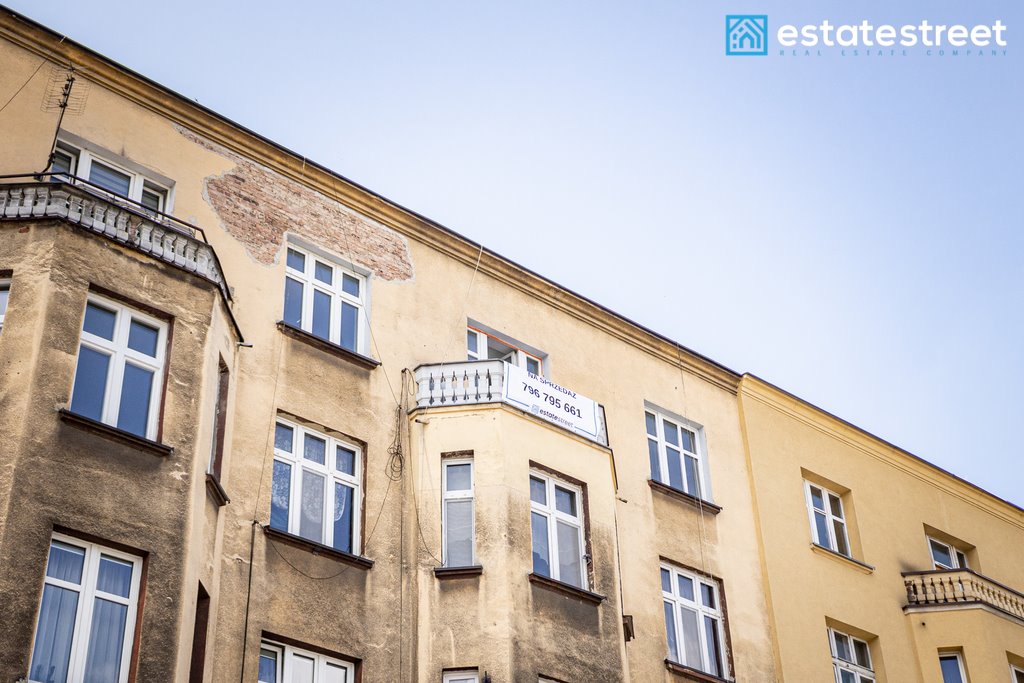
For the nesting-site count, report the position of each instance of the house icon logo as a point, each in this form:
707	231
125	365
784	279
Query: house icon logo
746	34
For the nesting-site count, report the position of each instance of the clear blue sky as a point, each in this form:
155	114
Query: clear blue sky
847	228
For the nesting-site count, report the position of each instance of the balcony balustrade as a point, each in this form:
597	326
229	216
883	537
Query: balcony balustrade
487	381
957	588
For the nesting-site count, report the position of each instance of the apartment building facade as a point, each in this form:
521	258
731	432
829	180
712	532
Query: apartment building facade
265	425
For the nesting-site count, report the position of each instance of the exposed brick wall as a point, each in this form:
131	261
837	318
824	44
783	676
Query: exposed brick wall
257	206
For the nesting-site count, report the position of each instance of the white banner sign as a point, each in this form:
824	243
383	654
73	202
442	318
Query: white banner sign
550	402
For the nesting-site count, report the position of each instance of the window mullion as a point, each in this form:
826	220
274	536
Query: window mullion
83	628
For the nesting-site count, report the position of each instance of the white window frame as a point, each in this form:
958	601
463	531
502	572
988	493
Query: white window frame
287	654
332	475
959	660
461	676
862	673
517	356
660	418
307	278
5	286
458	495
81	167
553	515
120	354
88	592
958	556
1016	674
830	542
679	602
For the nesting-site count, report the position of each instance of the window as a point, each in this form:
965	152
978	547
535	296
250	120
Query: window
220	417
556	521
1017	675
87	614
952	667
324	299
946	556
107	175
287	664
828	524
5	293
851	658
674	452
483	346
693	620
316	487
458	523
467	676
119	375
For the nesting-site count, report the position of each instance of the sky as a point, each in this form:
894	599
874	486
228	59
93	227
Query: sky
849	228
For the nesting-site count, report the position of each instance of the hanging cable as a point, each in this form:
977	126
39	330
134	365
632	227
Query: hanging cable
23	85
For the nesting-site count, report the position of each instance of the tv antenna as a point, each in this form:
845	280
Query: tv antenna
61	95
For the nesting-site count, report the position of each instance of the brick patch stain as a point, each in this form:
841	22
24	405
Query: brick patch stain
257	206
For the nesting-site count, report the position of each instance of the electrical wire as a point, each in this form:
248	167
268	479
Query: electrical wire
23	85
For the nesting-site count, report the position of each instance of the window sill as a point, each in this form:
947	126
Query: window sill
330	347
318	548
216	491
692	674
458	572
568	589
856	564
698	503
113	433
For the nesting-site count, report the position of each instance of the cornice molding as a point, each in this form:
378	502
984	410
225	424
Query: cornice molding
777	399
193	116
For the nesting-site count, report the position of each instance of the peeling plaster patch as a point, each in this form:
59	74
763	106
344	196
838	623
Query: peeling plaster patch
257	206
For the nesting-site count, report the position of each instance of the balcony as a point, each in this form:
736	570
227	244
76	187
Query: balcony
494	381
959	589
121	220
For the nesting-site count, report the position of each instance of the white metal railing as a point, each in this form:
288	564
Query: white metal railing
958	586
166	242
481	381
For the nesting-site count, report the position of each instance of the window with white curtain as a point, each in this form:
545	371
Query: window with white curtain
5	292
458	523
316	486
694	620
556	524
287	664
87	614
119	374
325	299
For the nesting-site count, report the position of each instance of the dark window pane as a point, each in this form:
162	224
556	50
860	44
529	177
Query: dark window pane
950	670
350	285
292	302
323	272
538	491
841	545
666	580
65	562
90	383
692	476
106	642
110	179
689	442
143	338
344	497
675	469
821	524
670	629
136	388
652	452
532	365
346	460
62	162
349	326
56	627
471	341
652	424
268	667
565	501
860	652
99	321
671	433
817	499
713	647
685	587
837	507
321	314
296	260
283	435
280	495
115	576
541	549
707	595
152	200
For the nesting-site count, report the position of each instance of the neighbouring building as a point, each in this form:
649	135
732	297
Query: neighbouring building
262	424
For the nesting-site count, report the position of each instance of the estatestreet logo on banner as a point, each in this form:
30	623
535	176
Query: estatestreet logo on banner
550	402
